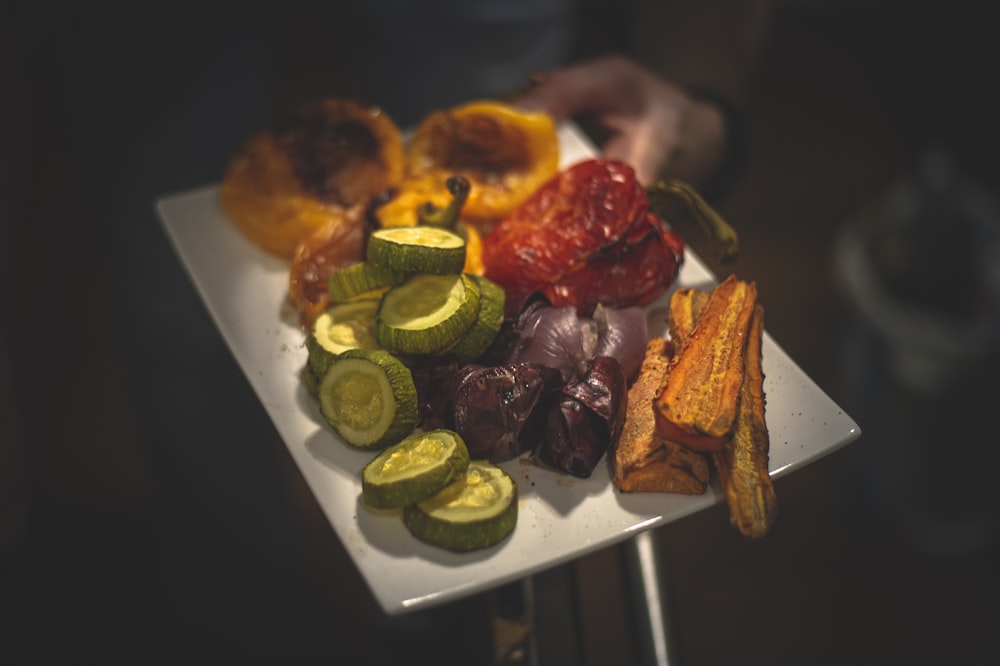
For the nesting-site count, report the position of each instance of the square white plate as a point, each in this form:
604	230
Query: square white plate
560	517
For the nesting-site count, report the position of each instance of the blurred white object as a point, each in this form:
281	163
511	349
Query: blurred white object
921	265
919	269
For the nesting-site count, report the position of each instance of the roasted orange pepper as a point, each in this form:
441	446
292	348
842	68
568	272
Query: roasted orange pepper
337	244
330	160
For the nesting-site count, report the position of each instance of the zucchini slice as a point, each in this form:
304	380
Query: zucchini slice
368	397
488	321
341	327
361	279
311	380
414	469
417	249
476	511
427	314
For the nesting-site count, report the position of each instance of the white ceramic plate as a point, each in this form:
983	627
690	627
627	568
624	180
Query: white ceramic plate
560	517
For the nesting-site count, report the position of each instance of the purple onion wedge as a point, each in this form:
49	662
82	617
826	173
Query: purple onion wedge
622	333
556	338
500	410
586	418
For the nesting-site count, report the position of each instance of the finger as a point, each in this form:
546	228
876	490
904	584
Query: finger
590	86
639	145
644	162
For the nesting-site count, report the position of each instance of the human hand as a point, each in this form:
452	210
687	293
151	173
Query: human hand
653	125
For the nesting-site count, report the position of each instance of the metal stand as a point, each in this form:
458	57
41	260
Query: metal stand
537	621
655	644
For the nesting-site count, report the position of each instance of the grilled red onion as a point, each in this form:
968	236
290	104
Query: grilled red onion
586	418
622	333
556	338
500	410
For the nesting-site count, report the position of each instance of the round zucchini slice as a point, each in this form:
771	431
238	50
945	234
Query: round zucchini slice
427	314
360	279
476	511
368	397
488	321
414	469
417	249
341	327
311	380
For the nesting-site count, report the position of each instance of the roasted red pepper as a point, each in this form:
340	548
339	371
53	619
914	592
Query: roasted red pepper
585	237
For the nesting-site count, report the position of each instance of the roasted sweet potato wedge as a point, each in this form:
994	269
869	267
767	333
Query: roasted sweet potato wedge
742	462
643	460
683	309
698	401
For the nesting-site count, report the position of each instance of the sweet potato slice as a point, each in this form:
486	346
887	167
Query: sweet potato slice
643	460
684	308
698	401
742	462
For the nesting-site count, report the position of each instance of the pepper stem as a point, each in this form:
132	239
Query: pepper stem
446	216
667	193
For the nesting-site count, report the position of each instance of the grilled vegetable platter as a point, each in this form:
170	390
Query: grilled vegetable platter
488	349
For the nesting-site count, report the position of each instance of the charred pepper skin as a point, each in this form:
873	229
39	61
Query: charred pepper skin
587	419
585	237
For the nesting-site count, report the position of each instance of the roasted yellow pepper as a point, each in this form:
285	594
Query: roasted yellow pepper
504	152
424	201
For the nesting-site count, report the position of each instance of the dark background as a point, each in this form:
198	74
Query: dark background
151	514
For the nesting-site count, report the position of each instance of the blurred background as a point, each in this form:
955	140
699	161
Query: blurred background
149	513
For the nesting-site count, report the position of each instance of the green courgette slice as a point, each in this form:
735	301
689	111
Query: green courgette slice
414	469
341	327
476	511
488	321
427	314
311	380
368	397
361	279
417	249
